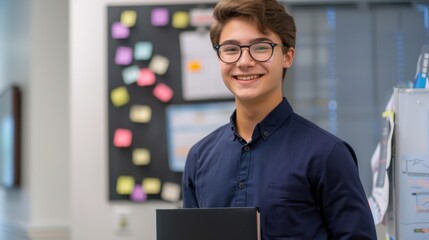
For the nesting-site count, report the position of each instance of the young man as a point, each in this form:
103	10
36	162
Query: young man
303	179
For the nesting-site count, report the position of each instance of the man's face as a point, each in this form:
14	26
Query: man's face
248	79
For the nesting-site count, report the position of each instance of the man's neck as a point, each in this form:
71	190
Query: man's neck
248	115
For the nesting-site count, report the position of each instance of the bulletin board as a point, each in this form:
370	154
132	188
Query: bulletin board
159	59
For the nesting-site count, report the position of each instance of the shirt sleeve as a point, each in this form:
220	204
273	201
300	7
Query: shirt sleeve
342	198
188	181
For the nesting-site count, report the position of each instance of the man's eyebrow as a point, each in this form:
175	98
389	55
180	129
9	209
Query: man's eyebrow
230	42
261	39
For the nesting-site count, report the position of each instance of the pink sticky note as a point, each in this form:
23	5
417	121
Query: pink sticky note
122	138
163	92
160	17
138	194
120	31
124	55
146	77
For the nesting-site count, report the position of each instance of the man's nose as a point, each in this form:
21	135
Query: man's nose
245	58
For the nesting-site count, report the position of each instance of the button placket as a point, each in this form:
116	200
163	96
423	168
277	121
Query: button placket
243	175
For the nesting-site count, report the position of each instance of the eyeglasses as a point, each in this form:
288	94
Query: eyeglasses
259	51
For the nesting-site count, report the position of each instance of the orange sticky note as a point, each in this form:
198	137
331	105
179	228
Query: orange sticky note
163	92
125	185
122	137
128	18
119	96
140	113
141	156
152	185
194	66
146	77
180	19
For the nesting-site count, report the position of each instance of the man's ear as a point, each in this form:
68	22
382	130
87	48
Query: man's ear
288	58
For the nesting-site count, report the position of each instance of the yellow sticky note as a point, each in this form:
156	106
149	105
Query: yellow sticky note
119	96
128	18
152	185
141	156
180	19
140	113
170	192
125	185
194	66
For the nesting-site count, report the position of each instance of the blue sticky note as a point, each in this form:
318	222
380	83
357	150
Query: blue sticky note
131	74
124	55
160	17
143	50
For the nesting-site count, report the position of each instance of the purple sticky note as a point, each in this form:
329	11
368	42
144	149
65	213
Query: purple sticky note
138	194
124	55
160	17
120	31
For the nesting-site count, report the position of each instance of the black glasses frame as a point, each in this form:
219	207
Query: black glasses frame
273	45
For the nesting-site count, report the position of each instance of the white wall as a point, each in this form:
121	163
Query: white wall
48	113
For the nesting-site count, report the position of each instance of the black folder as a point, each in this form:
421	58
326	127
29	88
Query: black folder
208	224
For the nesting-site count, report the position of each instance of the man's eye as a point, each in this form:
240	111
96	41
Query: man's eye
231	50
261	48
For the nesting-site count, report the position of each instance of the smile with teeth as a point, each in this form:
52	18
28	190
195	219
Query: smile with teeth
247	78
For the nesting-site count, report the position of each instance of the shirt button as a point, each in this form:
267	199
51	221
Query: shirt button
266	133
246	148
241	185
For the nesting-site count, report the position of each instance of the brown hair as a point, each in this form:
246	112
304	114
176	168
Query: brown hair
266	14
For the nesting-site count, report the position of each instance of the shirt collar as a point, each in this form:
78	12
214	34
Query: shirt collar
232	124
269	124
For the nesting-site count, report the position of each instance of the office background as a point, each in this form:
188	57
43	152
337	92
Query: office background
350	54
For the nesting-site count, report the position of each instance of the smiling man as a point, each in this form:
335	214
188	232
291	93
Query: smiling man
303	179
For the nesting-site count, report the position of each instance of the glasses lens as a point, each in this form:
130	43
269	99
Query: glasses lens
229	52
261	51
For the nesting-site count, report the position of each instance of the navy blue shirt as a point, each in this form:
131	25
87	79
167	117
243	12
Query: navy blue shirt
303	179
